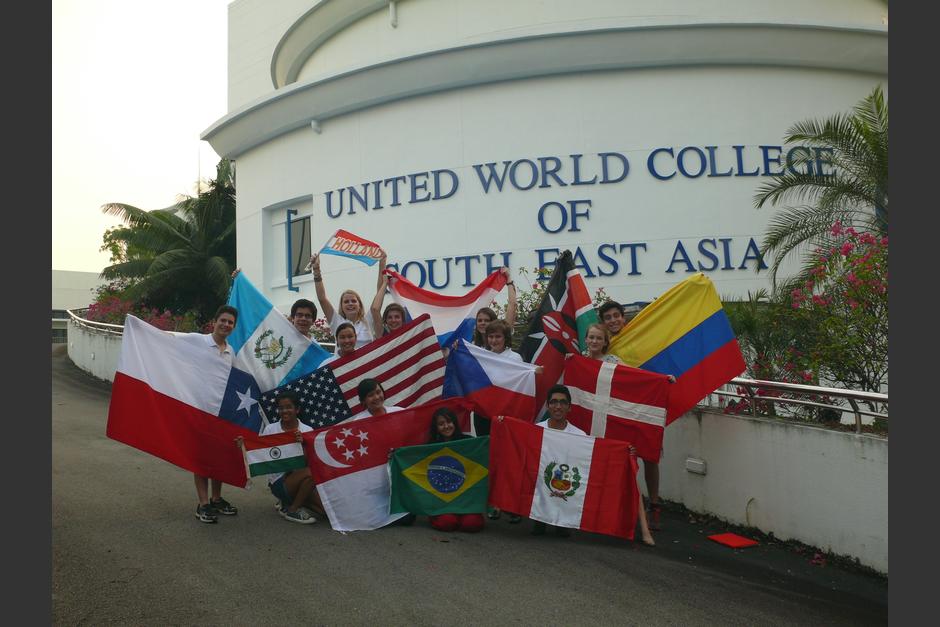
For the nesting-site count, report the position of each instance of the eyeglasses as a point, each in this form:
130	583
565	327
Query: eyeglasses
559	401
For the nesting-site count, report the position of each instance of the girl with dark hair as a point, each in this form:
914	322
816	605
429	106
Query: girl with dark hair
372	395
295	490
444	428
487	315
345	342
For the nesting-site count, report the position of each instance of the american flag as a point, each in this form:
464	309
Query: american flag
408	362
321	399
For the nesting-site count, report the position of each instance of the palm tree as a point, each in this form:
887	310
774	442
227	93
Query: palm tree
855	193
180	257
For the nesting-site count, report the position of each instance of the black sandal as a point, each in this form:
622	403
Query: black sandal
493	513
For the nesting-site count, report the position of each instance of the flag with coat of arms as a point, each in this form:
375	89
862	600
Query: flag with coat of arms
265	342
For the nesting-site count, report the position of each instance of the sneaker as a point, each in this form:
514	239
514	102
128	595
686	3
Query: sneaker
652	517
301	516
221	506
206	514
514	519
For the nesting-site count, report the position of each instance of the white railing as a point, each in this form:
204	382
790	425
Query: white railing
118	329
754	387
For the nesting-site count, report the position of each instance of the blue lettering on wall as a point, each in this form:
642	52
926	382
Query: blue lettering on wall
466	259
605	168
576	160
739	157
454	183
614	265
765	150
422	185
702	162
433	284
713	163
491	177
634	267
651	164
415	264
678	255
708	253
757	256
533	174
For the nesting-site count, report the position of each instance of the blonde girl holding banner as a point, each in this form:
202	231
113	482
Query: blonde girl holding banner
351	308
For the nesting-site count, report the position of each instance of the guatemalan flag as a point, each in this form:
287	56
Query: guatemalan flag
174	397
265	343
499	386
452	316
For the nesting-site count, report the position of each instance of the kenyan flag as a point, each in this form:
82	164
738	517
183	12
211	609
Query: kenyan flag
558	325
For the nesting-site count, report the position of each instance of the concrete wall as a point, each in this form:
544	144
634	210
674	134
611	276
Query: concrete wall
95	353
825	488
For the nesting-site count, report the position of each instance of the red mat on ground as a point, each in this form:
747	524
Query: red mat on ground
733	540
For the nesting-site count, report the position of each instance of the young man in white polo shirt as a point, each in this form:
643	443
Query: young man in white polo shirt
223	324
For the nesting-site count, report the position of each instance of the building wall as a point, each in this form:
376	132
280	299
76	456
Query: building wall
825	488
455	86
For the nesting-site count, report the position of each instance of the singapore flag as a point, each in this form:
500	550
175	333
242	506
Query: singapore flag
349	462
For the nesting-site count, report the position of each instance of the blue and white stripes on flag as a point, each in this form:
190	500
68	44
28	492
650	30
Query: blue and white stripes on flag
265	343
453	317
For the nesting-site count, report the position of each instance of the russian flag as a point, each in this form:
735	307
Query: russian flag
175	399
685	333
499	386
265	343
452	316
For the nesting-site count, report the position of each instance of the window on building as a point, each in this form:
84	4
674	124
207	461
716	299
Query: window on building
60	336
60	314
300	246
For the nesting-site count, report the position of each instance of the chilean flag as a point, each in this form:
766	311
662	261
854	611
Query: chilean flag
499	386
619	402
452	316
349	461
175	399
563	479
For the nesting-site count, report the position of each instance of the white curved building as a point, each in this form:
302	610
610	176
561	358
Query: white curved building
464	135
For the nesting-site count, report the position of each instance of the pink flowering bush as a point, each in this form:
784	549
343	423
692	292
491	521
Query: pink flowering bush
113	308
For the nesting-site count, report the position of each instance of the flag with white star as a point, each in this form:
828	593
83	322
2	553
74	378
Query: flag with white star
240	402
321	399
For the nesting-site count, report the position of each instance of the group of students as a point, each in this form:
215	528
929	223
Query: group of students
353	327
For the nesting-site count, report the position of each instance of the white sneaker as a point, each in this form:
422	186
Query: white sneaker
302	516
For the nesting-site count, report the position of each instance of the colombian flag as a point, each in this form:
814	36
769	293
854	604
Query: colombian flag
685	333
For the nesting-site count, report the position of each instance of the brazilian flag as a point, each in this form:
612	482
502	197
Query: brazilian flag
442	478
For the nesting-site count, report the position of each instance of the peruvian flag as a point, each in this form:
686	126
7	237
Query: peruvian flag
349	461
563	479
618	402
558	325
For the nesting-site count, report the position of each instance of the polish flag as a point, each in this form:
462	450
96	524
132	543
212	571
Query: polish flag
349	462
563	479
619	402
498	385
452	316
175	397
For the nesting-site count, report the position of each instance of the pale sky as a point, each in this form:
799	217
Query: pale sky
133	85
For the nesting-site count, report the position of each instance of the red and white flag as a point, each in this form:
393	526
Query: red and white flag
563	479
349	461
408	363
618	402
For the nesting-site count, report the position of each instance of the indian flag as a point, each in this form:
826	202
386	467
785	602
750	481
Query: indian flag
266	454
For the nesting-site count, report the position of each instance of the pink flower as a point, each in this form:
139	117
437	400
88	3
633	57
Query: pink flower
836	228
846	248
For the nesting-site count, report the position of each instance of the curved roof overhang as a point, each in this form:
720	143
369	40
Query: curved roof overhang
830	47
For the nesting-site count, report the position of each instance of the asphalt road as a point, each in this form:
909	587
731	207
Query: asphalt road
128	550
